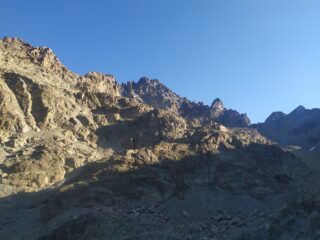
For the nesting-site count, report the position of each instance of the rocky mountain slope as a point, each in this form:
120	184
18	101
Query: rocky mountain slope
83	157
155	94
301	127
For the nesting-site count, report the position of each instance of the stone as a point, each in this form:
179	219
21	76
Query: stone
86	157
185	214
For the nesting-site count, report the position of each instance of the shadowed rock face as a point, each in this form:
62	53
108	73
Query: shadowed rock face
301	127
84	157
154	93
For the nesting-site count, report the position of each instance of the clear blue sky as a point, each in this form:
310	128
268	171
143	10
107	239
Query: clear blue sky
257	56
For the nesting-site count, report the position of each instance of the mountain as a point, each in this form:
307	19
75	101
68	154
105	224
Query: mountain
84	157
154	93
301	127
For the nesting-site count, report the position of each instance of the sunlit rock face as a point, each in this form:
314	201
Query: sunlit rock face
83	157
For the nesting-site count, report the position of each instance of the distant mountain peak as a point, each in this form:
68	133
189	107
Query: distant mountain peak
299	109
148	81
275	116
159	96
217	104
300	127
143	80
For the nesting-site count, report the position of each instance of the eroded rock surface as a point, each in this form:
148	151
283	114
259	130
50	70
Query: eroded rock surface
154	93
82	157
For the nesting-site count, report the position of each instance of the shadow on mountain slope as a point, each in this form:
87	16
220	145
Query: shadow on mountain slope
99	200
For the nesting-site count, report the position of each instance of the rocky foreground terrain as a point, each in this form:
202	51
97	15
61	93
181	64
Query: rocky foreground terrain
83	157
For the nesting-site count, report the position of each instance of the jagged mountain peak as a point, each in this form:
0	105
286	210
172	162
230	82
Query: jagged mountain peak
217	104
275	116
41	55
301	127
14	40
156	94
37	63
42	65
298	110
146	80
147	84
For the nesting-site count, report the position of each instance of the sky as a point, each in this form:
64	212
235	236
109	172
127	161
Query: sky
257	56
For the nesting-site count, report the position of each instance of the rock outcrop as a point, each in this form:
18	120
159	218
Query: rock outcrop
154	93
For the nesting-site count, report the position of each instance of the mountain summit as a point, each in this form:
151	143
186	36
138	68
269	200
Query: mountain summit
217	104
301	127
154	93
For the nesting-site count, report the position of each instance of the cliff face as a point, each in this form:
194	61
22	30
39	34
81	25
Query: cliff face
40	92
154	93
84	157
